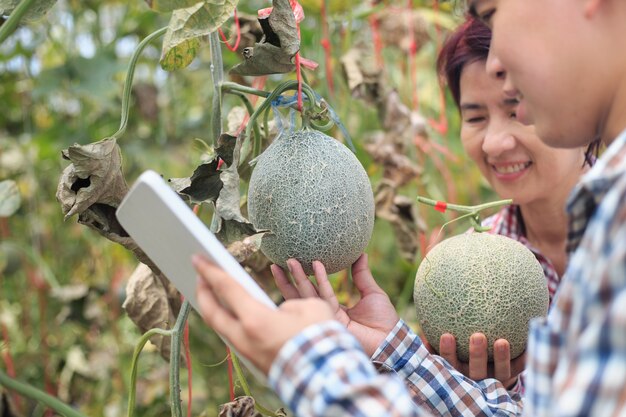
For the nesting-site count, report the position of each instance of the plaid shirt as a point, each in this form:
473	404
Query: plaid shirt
509	222
576	363
577	356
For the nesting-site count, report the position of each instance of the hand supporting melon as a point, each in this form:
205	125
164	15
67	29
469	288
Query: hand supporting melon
480	283
316	199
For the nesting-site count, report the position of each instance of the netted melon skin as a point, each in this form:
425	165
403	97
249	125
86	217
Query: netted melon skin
314	196
480	282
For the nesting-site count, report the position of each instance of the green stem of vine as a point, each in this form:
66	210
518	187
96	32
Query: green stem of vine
288	85
9	26
250	109
133	370
470	211
176	340
38	395
217	72
228	87
128	83
246	388
465	209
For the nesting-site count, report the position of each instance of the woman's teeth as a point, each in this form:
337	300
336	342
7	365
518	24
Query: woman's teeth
511	169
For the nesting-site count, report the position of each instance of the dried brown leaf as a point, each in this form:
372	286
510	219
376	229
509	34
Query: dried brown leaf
150	303
7	409
401	212
93	177
35	12
241	407
275	53
402	31
245	248
363	76
10	198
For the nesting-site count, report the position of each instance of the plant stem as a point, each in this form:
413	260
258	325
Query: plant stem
228	86
9	26
465	209
38	395
288	85
470	211
217	72
177	334
128	83
245	387
133	371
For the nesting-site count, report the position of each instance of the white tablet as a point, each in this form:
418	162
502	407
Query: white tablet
169	232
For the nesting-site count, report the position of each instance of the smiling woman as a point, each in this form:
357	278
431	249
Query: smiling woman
515	162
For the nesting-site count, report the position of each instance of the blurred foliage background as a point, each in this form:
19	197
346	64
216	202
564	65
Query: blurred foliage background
62	286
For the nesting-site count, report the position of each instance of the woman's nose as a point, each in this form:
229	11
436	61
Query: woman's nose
498	140
494	67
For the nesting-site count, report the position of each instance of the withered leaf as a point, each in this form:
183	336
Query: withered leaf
191	23
94	176
151	302
275	53
401	212
170	5
363	76
408	33
180	55
241	407
35	12
204	185
10	199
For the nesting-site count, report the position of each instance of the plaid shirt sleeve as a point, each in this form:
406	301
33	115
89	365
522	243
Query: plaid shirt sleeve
577	357
436	385
323	371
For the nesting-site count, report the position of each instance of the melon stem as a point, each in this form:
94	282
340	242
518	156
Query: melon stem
471	212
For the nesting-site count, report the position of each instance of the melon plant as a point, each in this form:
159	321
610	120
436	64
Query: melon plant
479	282
313	195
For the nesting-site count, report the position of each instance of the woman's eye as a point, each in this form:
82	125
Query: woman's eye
486	16
475	120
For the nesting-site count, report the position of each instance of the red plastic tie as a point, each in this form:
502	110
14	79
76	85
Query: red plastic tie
238	28
441	206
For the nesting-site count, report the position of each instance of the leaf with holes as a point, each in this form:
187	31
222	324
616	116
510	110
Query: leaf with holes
187	25
93	177
10	199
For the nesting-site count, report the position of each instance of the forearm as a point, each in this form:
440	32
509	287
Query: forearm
323	371
438	387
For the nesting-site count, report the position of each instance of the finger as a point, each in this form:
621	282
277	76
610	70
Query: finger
305	287
502	360
363	278
324	288
214	315
447	349
518	364
478	357
231	295
287	289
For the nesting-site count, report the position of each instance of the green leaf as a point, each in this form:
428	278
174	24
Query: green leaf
181	55
36	11
191	23
170	5
9	198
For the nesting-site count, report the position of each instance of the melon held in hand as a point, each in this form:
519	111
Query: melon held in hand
316	199
479	282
